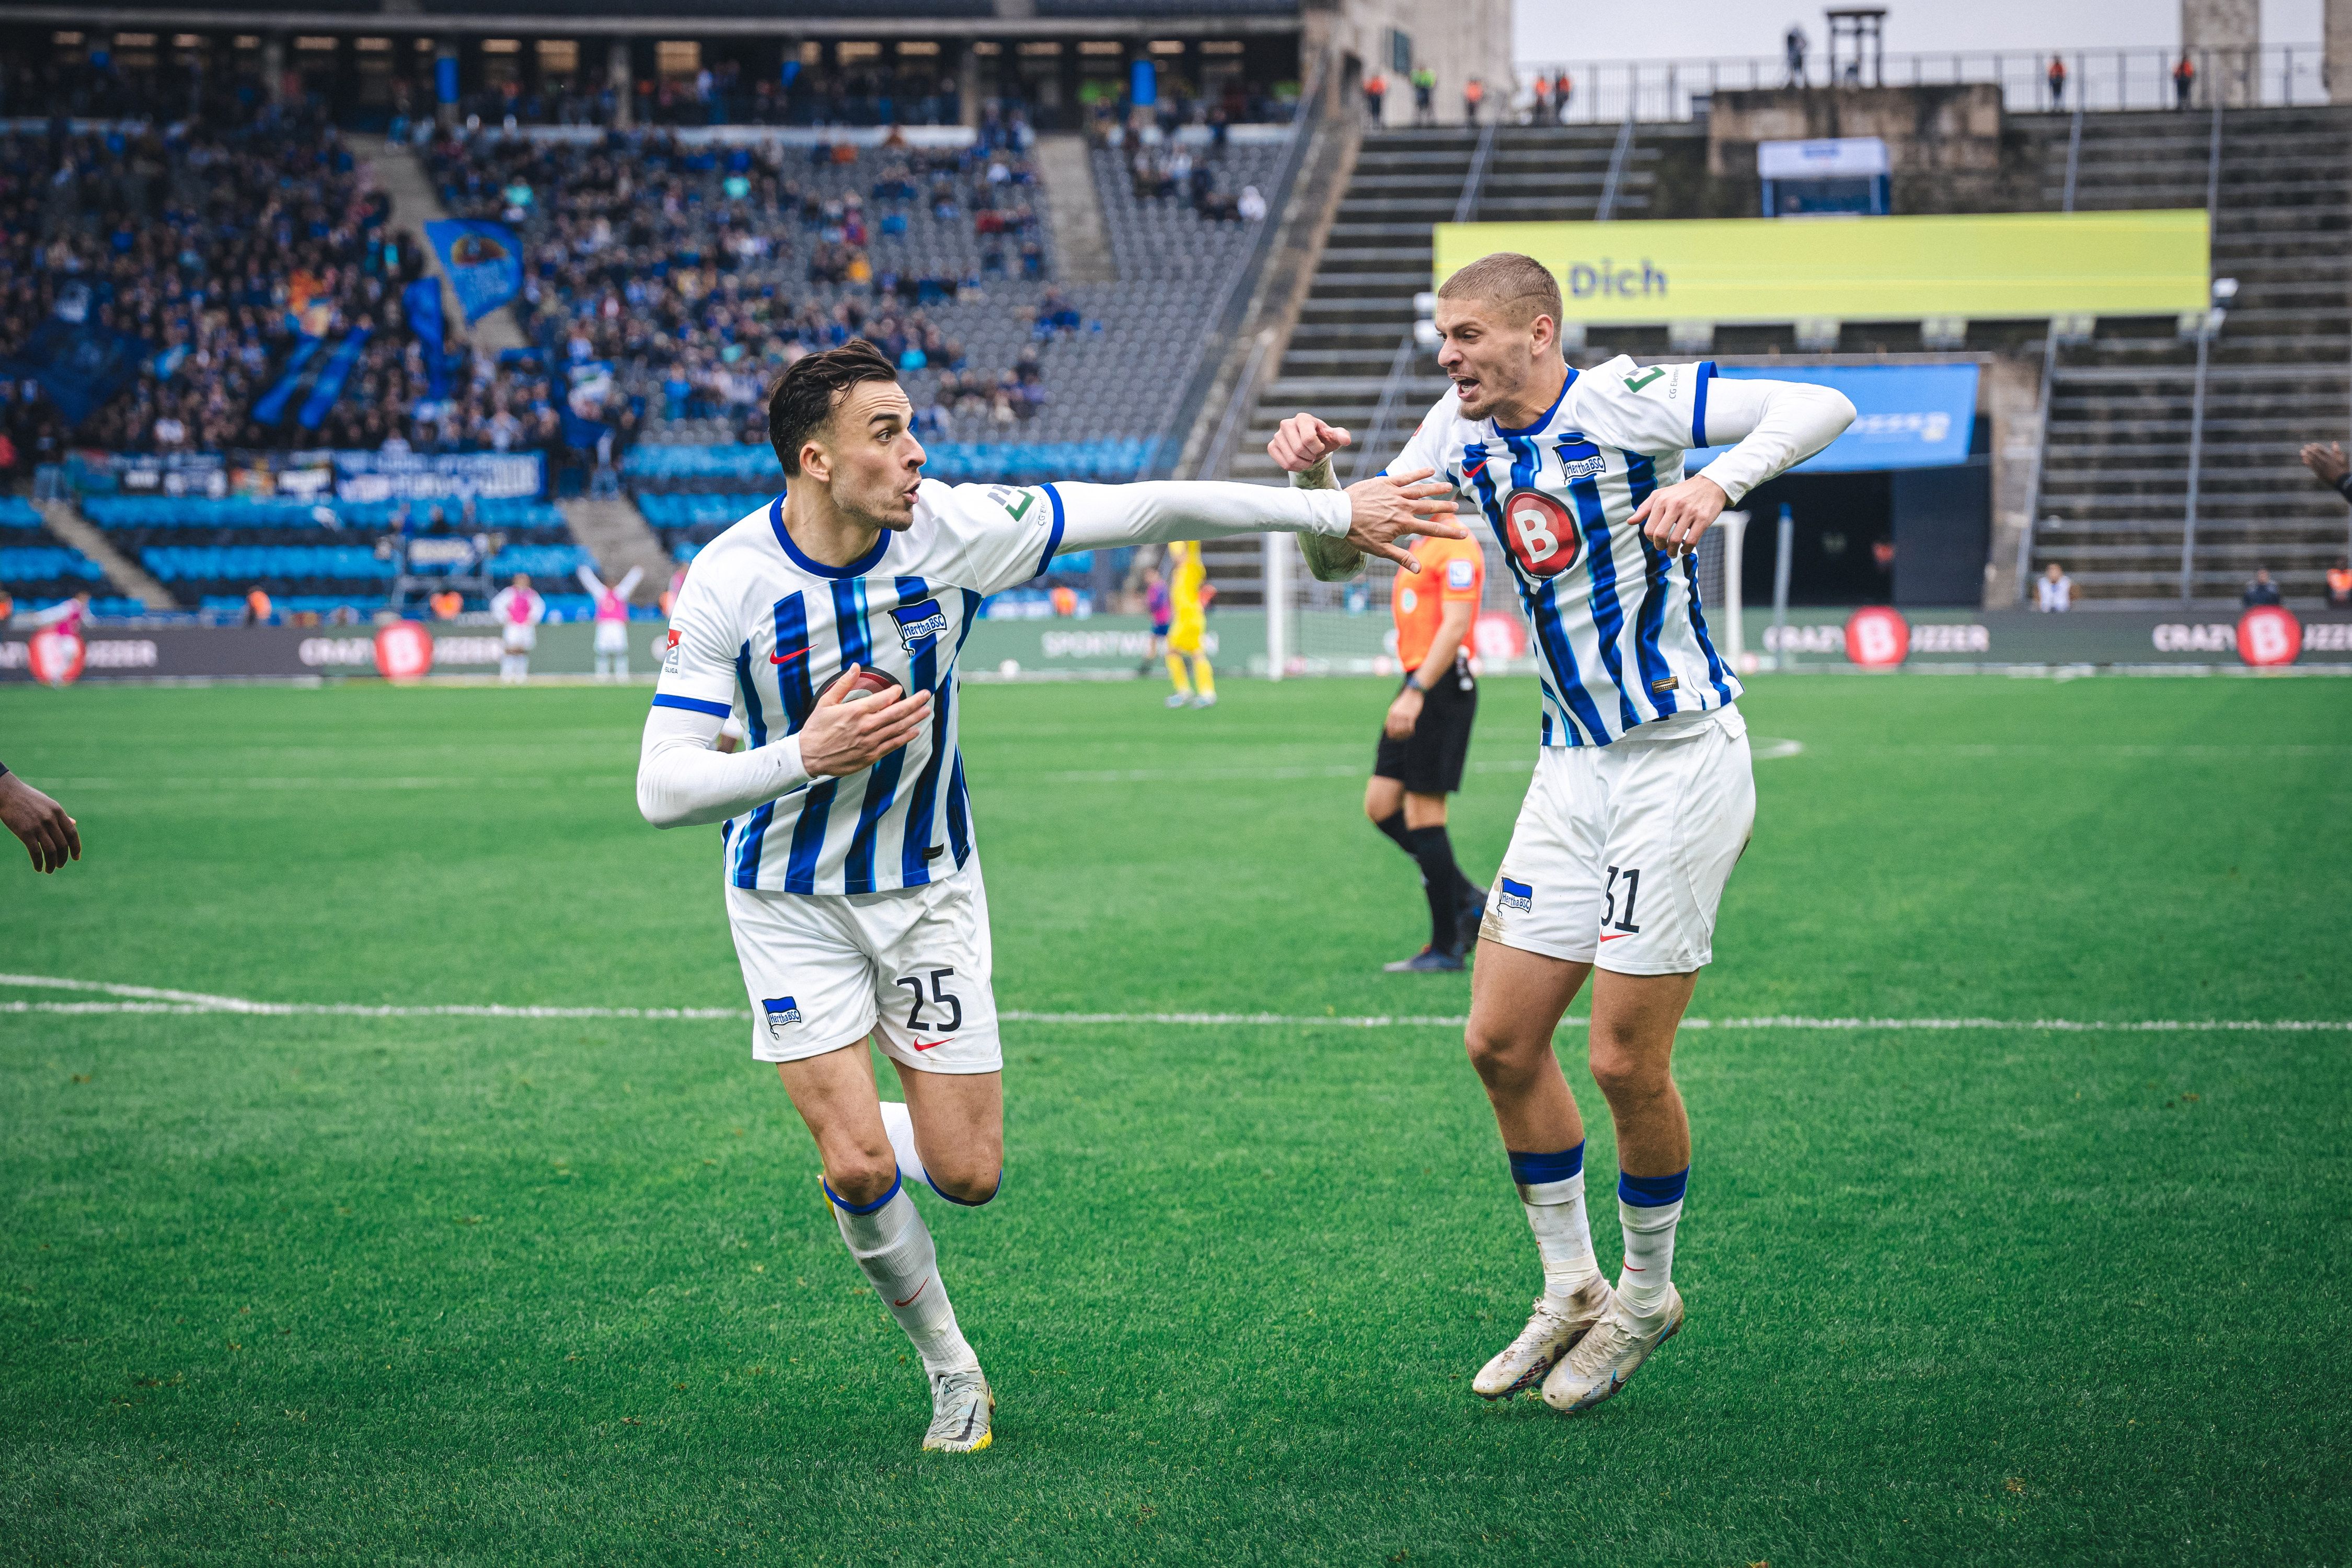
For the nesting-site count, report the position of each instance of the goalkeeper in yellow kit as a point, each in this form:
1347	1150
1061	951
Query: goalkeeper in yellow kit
1189	594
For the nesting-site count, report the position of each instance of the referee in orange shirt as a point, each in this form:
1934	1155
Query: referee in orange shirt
1426	739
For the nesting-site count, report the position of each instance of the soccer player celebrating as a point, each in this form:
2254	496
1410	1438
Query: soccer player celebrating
1642	797
832	617
1425	739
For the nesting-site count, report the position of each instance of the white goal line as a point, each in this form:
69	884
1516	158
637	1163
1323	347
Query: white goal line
156	999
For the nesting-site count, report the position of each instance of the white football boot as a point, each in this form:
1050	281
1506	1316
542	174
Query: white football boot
1552	1333
963	1411
1614	1350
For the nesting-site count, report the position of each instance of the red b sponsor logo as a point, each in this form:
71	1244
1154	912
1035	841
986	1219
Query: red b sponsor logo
1539	534
403	651
56	657
2268	635
1877	637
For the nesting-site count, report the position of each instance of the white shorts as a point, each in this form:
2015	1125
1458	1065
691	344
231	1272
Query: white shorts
1621	851
612	636
521	639
912	968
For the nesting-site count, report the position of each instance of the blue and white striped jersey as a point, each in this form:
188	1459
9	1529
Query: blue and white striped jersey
760	626
1619	634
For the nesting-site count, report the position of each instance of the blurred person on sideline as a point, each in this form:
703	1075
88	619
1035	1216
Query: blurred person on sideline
2339	584
1376	91
257	606
1189	595
2261	591
49	834
2184	81
1161	608
2055	590
519	609
612	620
1425	740
1424	96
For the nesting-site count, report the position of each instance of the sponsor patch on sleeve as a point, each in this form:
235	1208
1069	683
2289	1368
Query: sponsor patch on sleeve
1459	575
1519	896
781	1011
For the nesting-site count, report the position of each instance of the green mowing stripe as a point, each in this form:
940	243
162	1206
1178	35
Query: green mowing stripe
1969	1284
189	1002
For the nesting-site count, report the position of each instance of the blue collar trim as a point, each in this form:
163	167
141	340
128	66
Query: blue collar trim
1503	429
857	568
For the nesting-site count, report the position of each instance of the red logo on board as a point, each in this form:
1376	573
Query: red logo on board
1539	534
56	657
1877	637
2269	635
403	651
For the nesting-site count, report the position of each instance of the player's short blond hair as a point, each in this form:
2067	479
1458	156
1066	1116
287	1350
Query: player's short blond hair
1521	286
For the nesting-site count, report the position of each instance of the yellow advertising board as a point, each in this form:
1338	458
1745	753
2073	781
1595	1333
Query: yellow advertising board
1989	266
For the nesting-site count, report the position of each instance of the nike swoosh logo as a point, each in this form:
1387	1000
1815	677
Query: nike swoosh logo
918	1290
926	1044
1615	935
1629	1268
786	657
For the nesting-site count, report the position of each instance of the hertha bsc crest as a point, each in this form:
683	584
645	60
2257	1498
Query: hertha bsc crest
781	1011
1539	533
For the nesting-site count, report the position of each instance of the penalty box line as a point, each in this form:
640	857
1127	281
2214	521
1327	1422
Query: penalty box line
159	1000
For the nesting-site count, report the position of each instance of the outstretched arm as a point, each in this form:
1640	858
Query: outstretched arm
1776	424
589	581
628	583
1371	516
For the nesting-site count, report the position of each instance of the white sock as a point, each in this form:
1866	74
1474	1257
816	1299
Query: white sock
901	1129
894	1247
1563	1235
1649	1239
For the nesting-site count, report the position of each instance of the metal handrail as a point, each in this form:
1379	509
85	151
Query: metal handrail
1224	319
1218	460
2102	80
1466	208
2205	329
1618	158
2049	380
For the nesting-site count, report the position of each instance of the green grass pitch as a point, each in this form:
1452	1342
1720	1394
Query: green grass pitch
398	1289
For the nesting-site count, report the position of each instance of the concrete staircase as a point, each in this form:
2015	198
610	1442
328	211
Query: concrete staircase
2115	475
126	576
1376	257
616	533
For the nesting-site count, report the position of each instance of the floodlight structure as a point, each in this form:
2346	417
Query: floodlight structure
1857	38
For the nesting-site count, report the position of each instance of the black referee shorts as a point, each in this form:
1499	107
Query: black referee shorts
1429	760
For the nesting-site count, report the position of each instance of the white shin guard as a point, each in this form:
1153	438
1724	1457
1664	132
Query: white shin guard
1563	1234
1649	1256
893	1246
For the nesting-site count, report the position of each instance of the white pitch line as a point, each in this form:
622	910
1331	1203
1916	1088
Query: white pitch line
153	999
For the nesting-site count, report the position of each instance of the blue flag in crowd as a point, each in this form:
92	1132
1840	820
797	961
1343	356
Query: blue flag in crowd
484	261
79	364
422	301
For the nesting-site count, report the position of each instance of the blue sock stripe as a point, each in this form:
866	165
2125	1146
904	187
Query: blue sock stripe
966	1203
897	1180
1534	1170
1652	1192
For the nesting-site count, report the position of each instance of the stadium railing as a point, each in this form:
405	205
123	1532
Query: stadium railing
1604	92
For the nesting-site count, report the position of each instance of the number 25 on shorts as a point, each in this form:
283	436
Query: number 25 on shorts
941	997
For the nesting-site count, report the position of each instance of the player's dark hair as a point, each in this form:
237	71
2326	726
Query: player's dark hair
807	392
1521	284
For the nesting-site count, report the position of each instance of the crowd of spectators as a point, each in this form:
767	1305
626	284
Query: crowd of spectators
695	273
205	260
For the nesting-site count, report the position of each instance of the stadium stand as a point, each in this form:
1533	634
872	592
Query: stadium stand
1376	257
36	569
2116	472
327	557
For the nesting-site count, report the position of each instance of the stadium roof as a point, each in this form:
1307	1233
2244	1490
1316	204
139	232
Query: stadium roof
901	19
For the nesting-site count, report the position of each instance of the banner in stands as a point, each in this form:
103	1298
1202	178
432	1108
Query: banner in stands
398	475
1994	266
79	363
1905	415
483	260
